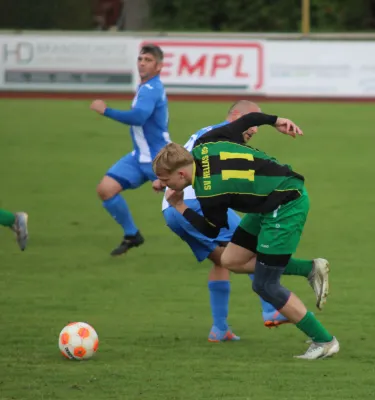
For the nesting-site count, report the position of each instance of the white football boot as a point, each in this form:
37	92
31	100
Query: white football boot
20	229
321	350
318	280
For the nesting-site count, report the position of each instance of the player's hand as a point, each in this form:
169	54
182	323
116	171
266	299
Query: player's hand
174	197
158	186
99	106
288	127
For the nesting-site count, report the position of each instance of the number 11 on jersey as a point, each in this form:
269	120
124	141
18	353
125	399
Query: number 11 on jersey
237	174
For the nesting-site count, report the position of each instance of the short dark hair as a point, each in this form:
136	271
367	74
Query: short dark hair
153	49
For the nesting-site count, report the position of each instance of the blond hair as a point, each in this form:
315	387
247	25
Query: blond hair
170	158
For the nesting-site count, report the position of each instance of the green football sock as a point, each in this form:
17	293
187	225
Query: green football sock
310	326
298	267
7	218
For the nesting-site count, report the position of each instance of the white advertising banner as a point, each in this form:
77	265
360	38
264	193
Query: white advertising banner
66	63
274	68
214	66
324	68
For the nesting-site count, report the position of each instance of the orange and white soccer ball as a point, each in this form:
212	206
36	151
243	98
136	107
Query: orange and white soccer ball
78	341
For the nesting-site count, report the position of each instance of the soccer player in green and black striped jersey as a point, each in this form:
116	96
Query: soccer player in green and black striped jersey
225	173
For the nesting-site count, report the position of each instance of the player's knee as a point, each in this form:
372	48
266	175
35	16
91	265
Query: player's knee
215	256
107	188
263	288
267	285
272	292
102	192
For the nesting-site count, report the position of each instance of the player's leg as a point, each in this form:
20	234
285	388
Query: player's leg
7	218
219	288
245	242
283	229
18	223
271	317
238	258
218	280
124	174
266	283
278	239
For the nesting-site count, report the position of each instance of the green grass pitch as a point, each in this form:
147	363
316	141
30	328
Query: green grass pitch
150	307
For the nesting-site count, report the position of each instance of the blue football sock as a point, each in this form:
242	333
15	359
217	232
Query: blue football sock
119	210
219	300
266	307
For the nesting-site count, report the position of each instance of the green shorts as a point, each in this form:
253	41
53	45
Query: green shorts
279	232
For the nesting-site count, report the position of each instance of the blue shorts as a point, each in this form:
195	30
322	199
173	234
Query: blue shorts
201	245
130	173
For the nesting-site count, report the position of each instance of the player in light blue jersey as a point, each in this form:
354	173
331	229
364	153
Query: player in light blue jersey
148	121
207	248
